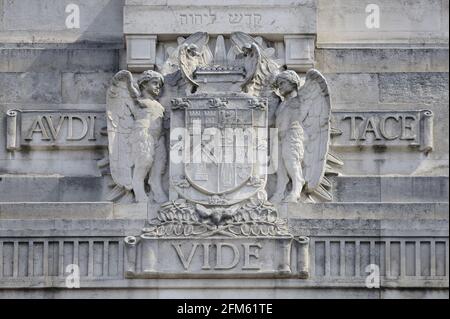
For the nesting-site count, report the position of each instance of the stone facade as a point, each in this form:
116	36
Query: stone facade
388	174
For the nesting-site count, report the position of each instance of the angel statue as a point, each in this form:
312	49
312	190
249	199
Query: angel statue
190	54
303	122
136	145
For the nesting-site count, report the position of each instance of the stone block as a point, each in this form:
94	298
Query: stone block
45	21
81	189
141	52
85	87
30	87
31	189
390	189
356	189
382	60
255	19
369	211
299	52
414	87
402	24
353	88
58	210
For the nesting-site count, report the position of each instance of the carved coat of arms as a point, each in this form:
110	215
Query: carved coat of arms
222	143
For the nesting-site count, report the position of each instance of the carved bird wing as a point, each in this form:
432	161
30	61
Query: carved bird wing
188	64
260	68
119	102
314	114
202	211
200	39
252	64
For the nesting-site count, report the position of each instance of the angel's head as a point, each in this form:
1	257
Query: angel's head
151	83
287	82
192	50
247	49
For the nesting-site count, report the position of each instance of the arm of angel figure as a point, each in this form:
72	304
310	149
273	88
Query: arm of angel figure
314	114
200	39
119	103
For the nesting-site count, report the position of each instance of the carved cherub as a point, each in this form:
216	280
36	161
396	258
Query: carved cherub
136	145
303	122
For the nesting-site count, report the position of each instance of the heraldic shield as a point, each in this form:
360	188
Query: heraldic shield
221	143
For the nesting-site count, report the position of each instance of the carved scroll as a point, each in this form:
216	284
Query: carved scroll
130	248
427	138
303	257
12	134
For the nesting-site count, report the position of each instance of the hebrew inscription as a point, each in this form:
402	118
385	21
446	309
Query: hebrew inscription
384	128
149	19
50	129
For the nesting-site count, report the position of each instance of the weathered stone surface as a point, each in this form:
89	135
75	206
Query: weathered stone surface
30	87
45	21
414	87
58	60
382	60
351	88
85	88
402	24
391	189
366	211
389	205
59	210
153	18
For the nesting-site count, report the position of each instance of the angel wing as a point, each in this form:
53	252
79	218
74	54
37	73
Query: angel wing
188	63
261	72
315	104
251	64
200	39
120	122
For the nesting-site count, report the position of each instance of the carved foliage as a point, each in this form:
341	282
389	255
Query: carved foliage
182	218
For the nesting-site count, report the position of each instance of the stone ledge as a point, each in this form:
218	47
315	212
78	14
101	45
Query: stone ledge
345	188
93	210
390	189
221	283
330	211
367	211
231	293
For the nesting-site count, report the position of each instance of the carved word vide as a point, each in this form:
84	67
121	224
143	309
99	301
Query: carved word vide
246	253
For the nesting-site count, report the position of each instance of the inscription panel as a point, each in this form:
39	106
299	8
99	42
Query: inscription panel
152	257
55	129
384	128
221	20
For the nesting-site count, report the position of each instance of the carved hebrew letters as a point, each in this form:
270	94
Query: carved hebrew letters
197	19
252	19
234	18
